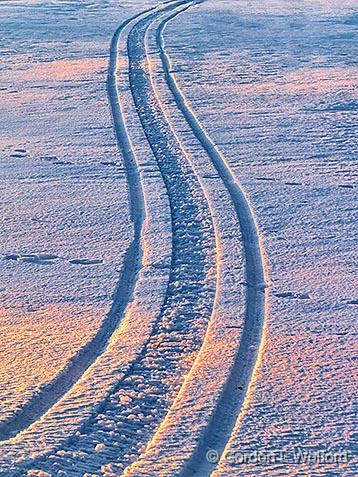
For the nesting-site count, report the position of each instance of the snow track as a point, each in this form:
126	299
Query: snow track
209	402
169	382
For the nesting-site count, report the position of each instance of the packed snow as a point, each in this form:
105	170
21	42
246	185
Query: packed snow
178	235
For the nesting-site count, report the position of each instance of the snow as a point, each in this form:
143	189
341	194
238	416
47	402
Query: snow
128	271
63	194
280	106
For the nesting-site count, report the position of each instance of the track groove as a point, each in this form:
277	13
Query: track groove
60	422
228	408
162	456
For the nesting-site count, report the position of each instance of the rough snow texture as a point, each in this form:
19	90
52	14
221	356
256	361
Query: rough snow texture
272	83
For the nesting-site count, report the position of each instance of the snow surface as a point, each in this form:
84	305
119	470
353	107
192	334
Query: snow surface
91	388
273	83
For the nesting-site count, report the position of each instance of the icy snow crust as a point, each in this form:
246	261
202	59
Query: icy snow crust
135	283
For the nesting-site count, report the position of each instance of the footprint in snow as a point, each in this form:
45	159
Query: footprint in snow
61	163
346	186
284	295
19	153
38	258
300	296
12	256
265	179
85	261
55	160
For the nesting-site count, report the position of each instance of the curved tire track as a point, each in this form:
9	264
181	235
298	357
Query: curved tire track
214	418
149	386
154	377
217	413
